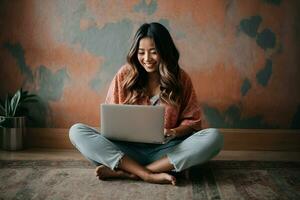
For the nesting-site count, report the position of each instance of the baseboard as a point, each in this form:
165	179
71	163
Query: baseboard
234	139
261	139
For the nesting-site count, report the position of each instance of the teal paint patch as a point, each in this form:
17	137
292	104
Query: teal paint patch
274	2
176	34
106	41
264	75
165	22
266	39
113	46
18	53
96	83
111	41
231	118
296	119
250	26
232	114
246	86
148	9
51	84
214	117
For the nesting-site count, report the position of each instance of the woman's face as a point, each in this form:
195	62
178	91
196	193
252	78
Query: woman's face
147	55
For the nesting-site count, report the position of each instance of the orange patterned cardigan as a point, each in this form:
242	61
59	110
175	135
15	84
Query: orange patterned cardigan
188	113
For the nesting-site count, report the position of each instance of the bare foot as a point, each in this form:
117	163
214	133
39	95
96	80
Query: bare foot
162	178
103	172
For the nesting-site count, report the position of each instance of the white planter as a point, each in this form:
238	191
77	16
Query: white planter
13	138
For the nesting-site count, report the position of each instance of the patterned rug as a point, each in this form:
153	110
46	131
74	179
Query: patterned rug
42	179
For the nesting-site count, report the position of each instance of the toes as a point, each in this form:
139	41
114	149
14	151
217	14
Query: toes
172	180
101	172
97	170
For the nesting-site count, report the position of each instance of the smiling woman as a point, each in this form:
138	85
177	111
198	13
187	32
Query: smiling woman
153	59
151	76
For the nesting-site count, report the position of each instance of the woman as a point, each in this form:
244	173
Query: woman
151	76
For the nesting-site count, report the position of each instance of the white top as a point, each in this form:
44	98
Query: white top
154	100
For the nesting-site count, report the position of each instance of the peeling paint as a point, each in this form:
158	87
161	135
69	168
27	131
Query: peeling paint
231	118
250	26
245	87
166	23
266	39
51	84
111	42
18	52
148	8
263	76
229	48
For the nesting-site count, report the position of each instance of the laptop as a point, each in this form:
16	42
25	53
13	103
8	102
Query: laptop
133	123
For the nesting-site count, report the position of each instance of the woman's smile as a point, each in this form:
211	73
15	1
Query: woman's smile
150	65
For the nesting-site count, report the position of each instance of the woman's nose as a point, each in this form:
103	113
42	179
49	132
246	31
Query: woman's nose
147	57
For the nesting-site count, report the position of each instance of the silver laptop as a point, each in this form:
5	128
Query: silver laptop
133	123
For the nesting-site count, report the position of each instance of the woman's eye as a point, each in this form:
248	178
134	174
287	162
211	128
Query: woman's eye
140	53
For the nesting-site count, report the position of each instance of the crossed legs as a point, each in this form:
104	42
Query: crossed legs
87	140
196	149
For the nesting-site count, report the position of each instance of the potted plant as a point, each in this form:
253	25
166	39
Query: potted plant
13	114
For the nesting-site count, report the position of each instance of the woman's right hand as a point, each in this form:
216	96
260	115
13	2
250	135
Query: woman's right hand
169	132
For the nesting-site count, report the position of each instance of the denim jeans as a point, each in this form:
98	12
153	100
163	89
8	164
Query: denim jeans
182	153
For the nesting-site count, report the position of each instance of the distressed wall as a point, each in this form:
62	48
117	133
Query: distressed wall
243	56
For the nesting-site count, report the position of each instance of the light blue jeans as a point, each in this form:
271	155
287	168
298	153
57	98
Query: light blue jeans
182	152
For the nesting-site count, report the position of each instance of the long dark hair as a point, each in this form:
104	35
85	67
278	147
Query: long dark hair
169	69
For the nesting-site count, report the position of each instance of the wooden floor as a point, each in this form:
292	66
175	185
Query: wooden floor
69	154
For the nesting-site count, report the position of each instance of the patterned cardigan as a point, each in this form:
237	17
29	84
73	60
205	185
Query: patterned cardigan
188	113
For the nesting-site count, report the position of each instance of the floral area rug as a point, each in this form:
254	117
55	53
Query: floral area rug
43	179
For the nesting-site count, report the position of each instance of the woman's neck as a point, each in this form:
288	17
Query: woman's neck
153	78
153	86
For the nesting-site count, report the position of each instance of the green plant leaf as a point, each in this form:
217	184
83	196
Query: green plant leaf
12	105
15	102
2	108
31	98
7	107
